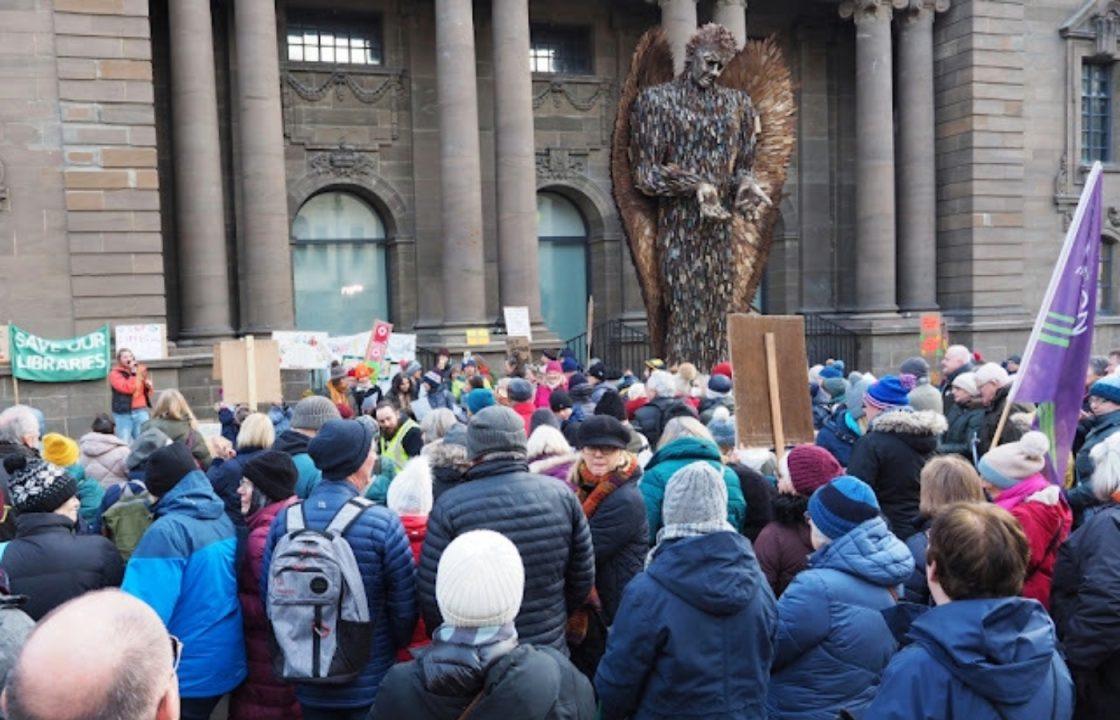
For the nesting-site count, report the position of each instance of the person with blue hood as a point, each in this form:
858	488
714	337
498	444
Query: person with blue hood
694	633
833	641
982	653
184	569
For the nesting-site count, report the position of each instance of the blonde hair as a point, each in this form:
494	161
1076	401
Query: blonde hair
437	423
680	427
256	432
173	406
948	479
219	447
547	441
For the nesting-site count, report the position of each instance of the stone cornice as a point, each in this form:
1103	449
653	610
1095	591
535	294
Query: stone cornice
867	10
732	3
910	11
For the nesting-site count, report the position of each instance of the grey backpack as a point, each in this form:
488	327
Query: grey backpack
316	601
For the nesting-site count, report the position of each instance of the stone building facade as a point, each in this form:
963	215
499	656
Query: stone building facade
239	166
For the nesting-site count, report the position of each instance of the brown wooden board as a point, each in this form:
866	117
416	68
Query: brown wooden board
747	340
231	359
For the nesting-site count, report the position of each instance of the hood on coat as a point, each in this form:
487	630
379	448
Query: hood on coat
909	422
193	496
544	464
686	448
94	444
716	573
1001	648
870	552
291	442
443	455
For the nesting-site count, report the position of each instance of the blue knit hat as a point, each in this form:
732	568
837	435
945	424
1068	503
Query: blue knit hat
340	448
569	364
478	399
890	392
723	431
840	506
832	372
1107	388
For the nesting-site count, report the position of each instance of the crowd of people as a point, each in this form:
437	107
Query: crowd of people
565	542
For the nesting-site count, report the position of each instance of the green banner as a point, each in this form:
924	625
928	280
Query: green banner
41	360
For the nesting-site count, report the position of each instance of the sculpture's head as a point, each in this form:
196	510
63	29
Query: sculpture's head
708	53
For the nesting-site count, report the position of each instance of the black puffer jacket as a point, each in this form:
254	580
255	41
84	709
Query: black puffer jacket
947	401
526	682
965	423
890	457
1083	600
620	536
542	518
1011	432
650	419
49	564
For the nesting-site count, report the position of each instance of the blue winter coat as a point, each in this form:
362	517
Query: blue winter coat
989	659
833	641
838	435
225	477
385	561
693	637
184	568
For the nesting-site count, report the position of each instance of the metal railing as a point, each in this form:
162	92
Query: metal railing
617	344
825	339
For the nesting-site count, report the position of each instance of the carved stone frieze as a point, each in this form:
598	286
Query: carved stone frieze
561	163
345	162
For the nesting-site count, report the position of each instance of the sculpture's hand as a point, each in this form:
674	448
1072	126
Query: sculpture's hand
751	199
710	206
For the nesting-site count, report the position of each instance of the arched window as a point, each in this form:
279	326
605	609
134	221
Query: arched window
339	265
563	265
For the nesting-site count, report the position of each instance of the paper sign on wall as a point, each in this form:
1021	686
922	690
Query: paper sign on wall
300	350
4	354
478	336
934	341
147	342
401	347
348	346
517	322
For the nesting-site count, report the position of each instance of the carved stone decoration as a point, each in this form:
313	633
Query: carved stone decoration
567	91
912	10
864	10
345	162
1061	180
561	163
392	87
1113	214
1106	26
3	189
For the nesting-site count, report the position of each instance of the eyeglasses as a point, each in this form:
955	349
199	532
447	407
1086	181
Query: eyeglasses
600	451
176	653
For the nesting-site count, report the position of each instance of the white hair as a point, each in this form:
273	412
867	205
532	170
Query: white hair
958	352
1106	467
16	423
547	441
684	426
662	383
410	493
436	424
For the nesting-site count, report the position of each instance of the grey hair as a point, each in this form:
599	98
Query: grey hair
681	427
662	383
1099	365
16	423
547	441
1106	467
436	424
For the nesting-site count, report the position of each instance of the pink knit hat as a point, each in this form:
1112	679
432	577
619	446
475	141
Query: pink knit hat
810	467
553	366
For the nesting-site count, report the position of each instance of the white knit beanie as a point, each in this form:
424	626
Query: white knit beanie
967	381
480	580
411	490
1004	466
991	372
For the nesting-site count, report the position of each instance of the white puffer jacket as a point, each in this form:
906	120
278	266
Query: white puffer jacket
103	457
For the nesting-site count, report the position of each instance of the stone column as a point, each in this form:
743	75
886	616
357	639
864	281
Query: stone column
516	158
266	266
917	182
732	14
678	18
875	209
464	298
200	217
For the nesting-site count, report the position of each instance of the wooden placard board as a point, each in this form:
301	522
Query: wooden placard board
231	360
747	340
518	348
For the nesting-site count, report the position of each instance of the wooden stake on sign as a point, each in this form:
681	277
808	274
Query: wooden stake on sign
775	399
1002	421
251	372
15	380
590	327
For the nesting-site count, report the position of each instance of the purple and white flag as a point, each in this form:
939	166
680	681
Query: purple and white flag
1052	374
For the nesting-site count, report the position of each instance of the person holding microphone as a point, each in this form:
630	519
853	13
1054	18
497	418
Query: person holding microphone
132	390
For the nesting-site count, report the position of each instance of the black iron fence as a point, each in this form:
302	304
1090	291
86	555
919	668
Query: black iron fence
617	344
825	339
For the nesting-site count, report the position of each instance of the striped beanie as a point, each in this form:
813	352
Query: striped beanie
843	504
890	392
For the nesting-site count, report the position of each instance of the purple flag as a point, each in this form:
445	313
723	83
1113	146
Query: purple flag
1052	374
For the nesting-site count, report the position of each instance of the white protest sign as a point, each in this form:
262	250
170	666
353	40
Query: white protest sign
348	346
402	346
517	322
147	342
300	350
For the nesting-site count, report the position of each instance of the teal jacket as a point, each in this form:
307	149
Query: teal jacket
673	457
90	493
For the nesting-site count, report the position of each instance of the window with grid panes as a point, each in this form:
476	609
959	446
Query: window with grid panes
559	49
334	39
1096	112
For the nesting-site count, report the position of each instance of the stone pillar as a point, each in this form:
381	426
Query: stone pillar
917	182
678	18
516	158
464	297
732	14
266	265
200	217
875	200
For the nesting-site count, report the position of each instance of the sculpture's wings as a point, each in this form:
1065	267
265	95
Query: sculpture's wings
652	64
760	69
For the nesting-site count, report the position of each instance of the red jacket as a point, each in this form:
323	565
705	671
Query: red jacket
526	410
1047	527
416	528
261	696
632	406
124	382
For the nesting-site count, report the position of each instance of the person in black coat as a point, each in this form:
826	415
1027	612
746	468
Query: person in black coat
1085	593
650	419
476	666
47	561
890	456
541	516
759	492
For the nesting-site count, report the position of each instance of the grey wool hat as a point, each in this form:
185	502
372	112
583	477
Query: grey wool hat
695	494
495	429
311	412
144	445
